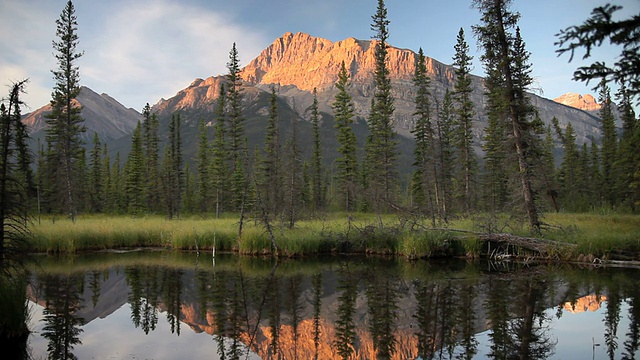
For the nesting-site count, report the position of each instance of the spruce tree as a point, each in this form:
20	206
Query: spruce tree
272	176
317	188
96	196
16	180
346	162
204	167
151	148
504	51
293	170
568	175
609	145
236	135
445	153
173	173
464	123
65	125
425	184
219	166
381	144
628	162
135	174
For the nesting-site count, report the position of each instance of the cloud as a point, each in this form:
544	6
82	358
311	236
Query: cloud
153	49
26	31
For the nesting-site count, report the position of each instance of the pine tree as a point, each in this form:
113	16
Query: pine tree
272	176
173	173
504	52
568	174
64	122
317	188
16	179
151	143
425	182
445	153
464	123
204	167
347	162
135	174
381	145
628	151
237	139
609	145
105	179
293	178
219	167
495	172
96	196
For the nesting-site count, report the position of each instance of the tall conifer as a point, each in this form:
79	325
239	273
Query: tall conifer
64	122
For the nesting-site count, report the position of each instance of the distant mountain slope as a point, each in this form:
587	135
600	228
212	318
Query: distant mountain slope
102	114
295	64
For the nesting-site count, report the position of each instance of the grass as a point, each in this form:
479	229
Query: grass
596	235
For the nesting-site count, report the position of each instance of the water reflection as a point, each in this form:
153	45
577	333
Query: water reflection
330	309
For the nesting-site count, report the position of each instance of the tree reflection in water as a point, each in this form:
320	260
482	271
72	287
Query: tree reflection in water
63	301
347	309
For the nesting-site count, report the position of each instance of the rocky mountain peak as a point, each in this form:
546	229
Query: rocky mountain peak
583	102
102	114
309	62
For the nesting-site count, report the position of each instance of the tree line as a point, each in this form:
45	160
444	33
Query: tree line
517	172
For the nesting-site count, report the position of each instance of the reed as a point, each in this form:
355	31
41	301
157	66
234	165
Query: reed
597	235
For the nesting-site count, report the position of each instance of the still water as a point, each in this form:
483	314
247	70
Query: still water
159	305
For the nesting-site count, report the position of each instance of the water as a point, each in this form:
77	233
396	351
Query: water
157	305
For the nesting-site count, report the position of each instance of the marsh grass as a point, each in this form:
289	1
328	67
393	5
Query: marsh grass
598	235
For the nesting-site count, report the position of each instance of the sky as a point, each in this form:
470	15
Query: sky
139	51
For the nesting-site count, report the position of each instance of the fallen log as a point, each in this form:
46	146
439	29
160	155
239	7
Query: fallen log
542	247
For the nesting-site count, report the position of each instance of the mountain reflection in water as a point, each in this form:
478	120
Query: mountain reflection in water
175	305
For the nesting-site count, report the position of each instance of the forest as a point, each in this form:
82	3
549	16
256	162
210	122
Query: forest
519	177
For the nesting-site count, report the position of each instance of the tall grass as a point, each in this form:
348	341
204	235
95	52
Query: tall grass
598	235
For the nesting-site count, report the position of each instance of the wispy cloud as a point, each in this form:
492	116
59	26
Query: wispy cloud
153	49
136	52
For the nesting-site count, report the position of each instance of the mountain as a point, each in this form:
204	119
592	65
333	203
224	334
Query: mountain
295	64
102	114
583	102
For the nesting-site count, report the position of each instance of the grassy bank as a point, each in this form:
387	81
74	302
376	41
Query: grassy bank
599	236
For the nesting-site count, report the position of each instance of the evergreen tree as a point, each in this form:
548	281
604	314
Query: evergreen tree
380	149
64	122
204	179
271	184
609	145
504	52
495	178
347	162
628	162
95	177
219	167
190	189
425	182
237	139
568	175
173	174
105	179
16	179
445	153
293	179
151	143
317	188
118	199
135	174
463	128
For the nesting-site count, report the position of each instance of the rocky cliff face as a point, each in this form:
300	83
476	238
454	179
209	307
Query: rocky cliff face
295	64
102	114
583	102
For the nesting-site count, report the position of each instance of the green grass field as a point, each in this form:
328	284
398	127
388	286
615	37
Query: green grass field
597	235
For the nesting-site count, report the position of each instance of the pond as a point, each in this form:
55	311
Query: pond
168	305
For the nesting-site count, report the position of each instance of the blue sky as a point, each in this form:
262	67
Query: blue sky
143	50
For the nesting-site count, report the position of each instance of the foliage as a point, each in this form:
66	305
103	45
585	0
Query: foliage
592	33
